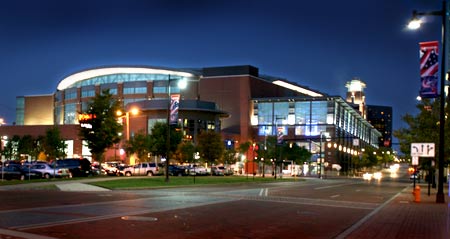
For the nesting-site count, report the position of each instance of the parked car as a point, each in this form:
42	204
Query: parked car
143	169
218	170
175	170
50	171
14	171
76	166
110	168
121	169
198	170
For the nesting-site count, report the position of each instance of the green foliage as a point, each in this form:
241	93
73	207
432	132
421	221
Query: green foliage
293	152
267	150
10	149
185	152
140	145
423	127
25	145
210	146
368	159
244	147
158	139
229	157
53	145
105	127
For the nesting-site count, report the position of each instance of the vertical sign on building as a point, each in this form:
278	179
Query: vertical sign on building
429	66
174	105
280	135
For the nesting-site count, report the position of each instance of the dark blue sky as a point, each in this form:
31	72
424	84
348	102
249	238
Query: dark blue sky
319	44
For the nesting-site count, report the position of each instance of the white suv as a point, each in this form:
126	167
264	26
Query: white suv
142	169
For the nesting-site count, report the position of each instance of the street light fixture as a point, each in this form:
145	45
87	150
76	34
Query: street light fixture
120	114
414	24
182	83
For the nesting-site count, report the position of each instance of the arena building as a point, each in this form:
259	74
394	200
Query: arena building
237	101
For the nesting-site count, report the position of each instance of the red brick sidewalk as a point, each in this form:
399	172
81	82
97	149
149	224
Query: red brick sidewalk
403	218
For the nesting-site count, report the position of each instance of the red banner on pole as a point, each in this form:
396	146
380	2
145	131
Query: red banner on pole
429	66
174	105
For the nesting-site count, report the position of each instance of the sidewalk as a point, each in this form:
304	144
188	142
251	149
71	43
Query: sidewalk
401	217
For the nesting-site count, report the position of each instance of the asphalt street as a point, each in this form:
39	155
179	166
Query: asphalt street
308	208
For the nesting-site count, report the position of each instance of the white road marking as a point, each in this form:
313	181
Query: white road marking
264	192
23	234
334	186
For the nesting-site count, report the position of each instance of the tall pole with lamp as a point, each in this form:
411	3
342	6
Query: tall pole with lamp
414	24
170	106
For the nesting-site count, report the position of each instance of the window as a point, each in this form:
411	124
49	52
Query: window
281	111
134	88
87	93
319	112
70	114
302	112
265	113
71	94
159	89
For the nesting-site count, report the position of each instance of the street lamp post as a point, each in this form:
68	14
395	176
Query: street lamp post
320	156
414	24
120	114
181	85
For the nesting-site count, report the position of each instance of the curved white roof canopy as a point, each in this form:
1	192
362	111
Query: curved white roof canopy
80	76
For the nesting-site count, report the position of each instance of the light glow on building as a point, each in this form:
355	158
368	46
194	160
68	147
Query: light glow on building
80	76
297	88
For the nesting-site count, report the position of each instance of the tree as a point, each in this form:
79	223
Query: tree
267	151
210	146
368	159
423	127
158	139
139	145
295	153
229	156
385	156
185	152
25	145
103	130
53	145
244	147
10	149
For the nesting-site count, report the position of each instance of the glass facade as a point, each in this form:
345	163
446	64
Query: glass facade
20	110
312	118
129	87
70	114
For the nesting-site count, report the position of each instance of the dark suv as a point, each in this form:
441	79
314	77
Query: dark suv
76	166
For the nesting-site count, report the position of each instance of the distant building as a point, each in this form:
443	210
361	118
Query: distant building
34	110
381	118
356	96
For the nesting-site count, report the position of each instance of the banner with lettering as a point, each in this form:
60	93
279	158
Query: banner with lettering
429	67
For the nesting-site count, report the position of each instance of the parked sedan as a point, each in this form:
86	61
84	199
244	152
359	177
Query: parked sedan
49	171
16	172
218	170
177	170
198	170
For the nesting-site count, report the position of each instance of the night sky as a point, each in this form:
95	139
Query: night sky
319	44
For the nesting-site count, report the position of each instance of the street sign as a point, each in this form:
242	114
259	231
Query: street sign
422	149
415	160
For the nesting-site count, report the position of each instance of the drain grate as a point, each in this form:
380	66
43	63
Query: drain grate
139	218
